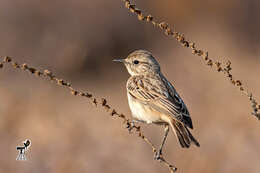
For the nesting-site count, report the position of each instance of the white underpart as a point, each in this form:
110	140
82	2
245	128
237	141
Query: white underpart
143	112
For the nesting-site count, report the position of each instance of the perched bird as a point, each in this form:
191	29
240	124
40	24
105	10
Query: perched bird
153	99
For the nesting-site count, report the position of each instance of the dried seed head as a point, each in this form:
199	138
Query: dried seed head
15	65
122	116
60	82
38	73
206	56
94	101
199	52
113	112
88	95
149	18
238	83
168	31
138	11
228	63
210	62
7	59
192	45
107	107
185	44
228	66
230	76
127	4
47	73
67	84
73	92
140	17
219	69
82	94
103	102
32	70
163	25
218	64
180	38
132	8
24	67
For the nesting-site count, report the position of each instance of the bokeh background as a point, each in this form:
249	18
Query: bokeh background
77	39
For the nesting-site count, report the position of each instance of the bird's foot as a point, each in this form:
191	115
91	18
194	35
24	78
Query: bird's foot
158	155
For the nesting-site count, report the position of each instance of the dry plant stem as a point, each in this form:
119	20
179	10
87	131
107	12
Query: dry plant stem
224	68
46	74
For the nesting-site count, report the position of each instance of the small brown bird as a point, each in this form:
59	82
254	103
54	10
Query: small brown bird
152	99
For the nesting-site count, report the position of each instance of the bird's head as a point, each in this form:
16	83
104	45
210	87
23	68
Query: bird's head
140	62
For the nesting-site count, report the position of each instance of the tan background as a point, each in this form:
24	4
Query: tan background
77	39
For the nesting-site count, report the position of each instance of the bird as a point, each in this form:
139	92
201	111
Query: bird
153	99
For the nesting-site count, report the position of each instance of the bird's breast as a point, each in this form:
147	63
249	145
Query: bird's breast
143	111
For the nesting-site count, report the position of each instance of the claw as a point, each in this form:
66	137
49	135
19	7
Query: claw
157	155
173	168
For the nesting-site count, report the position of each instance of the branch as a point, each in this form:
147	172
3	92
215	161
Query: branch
46	74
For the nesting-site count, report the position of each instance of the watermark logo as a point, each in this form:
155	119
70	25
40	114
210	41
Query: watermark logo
23	149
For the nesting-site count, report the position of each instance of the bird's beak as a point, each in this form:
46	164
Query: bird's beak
119	60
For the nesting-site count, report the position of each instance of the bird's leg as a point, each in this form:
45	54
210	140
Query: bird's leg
159	152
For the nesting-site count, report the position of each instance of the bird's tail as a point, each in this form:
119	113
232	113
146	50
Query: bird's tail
183	134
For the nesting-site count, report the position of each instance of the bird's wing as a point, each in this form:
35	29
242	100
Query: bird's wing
160	95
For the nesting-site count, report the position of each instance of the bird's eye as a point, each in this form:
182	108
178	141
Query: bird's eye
136	62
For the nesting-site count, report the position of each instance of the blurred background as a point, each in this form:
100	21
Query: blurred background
77	40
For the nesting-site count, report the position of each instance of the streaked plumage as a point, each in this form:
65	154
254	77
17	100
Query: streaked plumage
152	99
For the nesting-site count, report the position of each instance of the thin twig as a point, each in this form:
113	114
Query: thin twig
225	68
46	74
